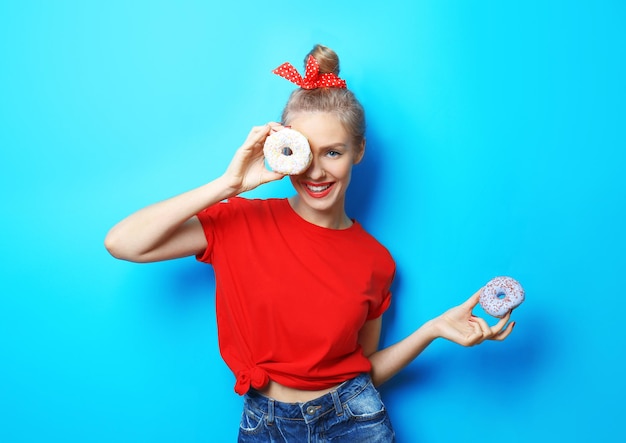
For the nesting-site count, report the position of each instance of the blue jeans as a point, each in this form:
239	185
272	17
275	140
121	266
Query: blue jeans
353	412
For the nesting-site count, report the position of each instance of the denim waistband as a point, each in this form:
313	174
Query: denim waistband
311	410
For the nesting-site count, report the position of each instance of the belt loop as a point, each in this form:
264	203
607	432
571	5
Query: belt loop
337	402
270	412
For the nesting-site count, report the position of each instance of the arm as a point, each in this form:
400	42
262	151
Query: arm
170	229
458	325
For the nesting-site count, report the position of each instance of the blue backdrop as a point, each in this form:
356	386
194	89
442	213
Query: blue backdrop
495	146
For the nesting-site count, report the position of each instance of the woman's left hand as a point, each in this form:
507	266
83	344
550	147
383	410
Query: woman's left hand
460	326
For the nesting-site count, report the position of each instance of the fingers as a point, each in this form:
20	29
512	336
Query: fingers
485	329
269	176
471	302
503	328
247	170
258	134
256	137
498	332
504	333
502	322
478	333
275	127
478	336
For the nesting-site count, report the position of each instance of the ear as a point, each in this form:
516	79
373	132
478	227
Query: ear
360	152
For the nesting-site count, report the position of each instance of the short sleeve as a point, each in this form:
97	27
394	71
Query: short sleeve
209	219
381	308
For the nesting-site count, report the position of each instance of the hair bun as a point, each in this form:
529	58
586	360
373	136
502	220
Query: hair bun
326	57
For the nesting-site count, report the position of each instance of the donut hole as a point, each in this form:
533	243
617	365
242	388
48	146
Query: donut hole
501	295
287	151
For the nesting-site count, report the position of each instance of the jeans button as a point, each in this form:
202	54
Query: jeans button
311	409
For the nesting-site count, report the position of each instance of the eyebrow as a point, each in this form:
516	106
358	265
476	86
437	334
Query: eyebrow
334	145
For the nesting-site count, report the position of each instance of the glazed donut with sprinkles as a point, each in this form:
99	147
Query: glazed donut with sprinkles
287	152
501	295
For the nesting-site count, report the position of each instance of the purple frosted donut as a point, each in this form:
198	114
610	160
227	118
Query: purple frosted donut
500	295
287	152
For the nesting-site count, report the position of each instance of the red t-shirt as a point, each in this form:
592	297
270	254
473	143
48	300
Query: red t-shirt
291	296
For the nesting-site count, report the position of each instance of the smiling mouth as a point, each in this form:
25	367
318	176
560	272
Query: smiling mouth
318	190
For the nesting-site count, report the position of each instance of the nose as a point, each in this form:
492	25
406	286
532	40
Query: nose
315	172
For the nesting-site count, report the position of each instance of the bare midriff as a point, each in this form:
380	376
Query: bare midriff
291	395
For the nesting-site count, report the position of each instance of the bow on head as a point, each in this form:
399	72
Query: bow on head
312	77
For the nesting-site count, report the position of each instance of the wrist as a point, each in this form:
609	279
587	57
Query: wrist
226	187
432	331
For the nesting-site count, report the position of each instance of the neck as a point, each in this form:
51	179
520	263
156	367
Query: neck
335	218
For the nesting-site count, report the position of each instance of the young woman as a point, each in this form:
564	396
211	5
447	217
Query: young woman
300	286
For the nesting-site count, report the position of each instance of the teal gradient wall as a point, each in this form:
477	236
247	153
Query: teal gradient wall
496	146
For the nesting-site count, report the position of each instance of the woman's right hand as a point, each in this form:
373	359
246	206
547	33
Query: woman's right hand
170	228
247	169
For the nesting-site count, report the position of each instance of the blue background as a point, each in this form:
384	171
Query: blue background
495	147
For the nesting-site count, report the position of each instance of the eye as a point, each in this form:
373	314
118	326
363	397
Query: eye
333	154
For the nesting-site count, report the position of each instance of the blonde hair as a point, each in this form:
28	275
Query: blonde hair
338	101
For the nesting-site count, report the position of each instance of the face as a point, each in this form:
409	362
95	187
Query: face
322	187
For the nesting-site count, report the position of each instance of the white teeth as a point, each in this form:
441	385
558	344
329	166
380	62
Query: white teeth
318	188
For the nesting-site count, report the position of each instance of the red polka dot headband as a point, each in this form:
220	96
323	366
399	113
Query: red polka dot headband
312	78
